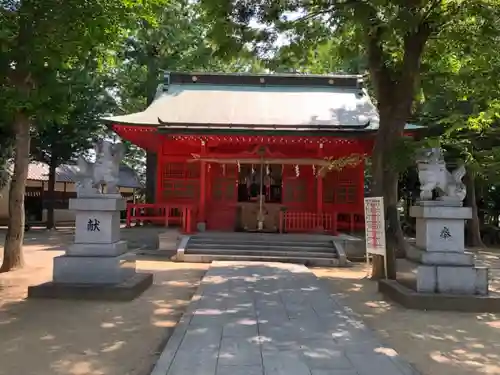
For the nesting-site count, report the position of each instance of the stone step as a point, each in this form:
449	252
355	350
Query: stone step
282	253
306	260
253	246
258	242
263	237
310	250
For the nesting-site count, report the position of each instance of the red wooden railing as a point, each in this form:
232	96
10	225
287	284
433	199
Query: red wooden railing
303	222
159	213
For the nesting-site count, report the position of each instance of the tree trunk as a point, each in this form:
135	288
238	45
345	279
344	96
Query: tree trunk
394	89
50	192
13	255
473	225
385	184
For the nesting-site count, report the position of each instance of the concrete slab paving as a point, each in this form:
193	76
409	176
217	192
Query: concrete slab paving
272	319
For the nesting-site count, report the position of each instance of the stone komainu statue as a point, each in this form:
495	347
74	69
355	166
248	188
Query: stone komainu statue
104	172
433	174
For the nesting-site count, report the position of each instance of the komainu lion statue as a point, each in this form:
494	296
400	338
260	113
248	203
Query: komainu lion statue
104	172
433	174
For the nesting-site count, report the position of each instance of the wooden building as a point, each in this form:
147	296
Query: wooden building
241	152
37	187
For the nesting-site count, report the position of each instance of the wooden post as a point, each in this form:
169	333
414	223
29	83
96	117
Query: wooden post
203	189
159	180
203	186
361	192
319	192
129	216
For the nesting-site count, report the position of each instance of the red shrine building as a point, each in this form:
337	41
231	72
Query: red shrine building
243	152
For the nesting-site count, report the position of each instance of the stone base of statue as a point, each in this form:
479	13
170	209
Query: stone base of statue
98	264
443	264
442	275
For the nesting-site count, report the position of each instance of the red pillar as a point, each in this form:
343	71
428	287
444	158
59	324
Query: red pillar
203	187
203	190
159	178
319	190
361	191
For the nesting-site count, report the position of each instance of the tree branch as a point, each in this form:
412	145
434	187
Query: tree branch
413	44
337	5
312	15
434	4
376	58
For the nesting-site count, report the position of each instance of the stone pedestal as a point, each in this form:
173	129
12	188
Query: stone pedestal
443	264
98	261
169	240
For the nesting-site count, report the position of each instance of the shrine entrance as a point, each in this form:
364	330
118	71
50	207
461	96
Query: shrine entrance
259	197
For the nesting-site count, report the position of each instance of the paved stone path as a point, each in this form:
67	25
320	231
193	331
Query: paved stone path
272	319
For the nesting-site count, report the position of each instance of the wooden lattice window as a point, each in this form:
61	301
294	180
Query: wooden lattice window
351	194
181	170
328	194
341	194
180	190
173	170
345	194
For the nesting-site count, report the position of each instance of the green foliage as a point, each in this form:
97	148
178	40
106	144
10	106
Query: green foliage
38	42
175	40
460	94
81	98
50	60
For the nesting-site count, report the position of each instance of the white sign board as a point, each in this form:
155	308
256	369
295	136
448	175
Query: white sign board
375	226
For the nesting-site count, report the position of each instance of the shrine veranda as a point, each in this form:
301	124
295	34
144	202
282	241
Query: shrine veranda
242	152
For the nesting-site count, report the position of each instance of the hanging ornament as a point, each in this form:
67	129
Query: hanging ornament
268	171
224	170
239	166
314	170
297	170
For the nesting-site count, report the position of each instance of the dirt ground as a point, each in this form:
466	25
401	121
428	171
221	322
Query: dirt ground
46	337
103	338
436	343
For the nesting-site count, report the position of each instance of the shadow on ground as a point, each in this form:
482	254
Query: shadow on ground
435	342
101	338
54	337
275	318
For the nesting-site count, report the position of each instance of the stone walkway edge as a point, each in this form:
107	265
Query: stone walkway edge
300	328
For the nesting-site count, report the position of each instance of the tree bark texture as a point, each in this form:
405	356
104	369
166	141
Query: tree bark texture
50	192
385	184
13	254
473	225
394	89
